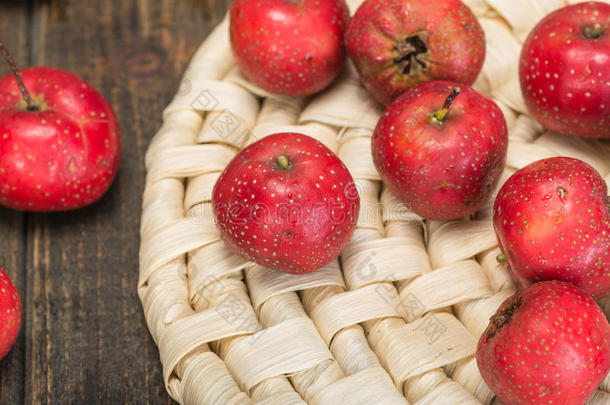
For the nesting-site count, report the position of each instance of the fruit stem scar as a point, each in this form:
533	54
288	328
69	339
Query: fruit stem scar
31	105
407	50
503	317
283	162
593	31
502	258
439	116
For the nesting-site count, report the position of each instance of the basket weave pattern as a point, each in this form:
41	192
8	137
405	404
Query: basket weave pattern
397	318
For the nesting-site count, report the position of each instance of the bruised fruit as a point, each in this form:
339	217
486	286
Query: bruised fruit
547	344
398	44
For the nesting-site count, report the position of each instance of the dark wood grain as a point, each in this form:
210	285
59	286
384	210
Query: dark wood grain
84	338
14	27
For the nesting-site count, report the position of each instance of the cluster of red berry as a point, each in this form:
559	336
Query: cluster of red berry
441	147
288	202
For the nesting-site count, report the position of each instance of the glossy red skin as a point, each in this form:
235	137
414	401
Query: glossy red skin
291	47
551	234
10	314
446	171
294	220
554	349
456	43
565	77
62	157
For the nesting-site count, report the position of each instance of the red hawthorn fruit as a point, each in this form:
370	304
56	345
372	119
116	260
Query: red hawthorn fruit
547	344
441	151
10	314
398	44
565	70
286	202
59	149
292	47
553	223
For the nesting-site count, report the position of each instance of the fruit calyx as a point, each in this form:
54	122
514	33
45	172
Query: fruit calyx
407	53
30	104
592	31
283	162
503	317
439	117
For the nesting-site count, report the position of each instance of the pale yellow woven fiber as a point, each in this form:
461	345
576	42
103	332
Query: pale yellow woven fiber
396	319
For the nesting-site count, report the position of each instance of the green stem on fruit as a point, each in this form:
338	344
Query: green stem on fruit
31	105
283	162
502	258
593	31
439	117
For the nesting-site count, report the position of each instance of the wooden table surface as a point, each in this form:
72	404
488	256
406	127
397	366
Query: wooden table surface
83	337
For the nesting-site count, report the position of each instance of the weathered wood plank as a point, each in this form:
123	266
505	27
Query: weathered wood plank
14	34
88	341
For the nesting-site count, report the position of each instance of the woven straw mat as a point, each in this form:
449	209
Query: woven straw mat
396	319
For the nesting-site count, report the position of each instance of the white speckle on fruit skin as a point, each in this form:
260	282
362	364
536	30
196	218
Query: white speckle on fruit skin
574	81
291	209
525	349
